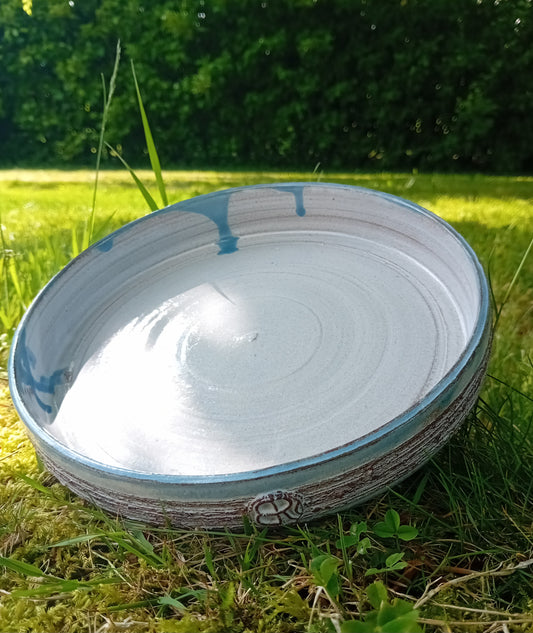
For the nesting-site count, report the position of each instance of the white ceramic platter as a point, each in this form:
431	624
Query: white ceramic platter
275	351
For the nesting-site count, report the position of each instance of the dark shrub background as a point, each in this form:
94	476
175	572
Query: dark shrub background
350	84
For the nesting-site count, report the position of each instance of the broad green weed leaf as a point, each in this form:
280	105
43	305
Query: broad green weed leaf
398	617
383	530
392	518
354	536
363	546
328	567
394	561
354	626
324	569
358	528
389	527
407	532
377	594
334	586
345	541
316	562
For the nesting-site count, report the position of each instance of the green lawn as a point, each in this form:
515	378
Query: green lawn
468	565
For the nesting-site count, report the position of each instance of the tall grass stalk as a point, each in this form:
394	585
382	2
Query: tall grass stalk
512	283
13	304
152	151
4	262
88	233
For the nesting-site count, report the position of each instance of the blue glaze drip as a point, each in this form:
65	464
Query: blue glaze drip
298	193
24	370
227	242
217	212
105	245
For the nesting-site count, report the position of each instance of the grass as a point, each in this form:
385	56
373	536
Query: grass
467	565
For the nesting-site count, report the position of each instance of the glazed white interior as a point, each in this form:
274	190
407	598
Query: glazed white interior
318	330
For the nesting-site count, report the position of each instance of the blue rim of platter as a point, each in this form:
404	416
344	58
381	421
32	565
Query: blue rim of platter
102	246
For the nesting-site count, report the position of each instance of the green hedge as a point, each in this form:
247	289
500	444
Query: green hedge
353	84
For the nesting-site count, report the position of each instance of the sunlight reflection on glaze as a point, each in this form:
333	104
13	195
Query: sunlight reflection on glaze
217	376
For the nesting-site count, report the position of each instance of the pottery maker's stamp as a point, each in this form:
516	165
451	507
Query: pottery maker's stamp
276	508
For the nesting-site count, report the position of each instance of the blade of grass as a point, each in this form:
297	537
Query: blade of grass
5	320
510	387
12	268
4	261
132	544
83	538
133	605
165	600
513	282
88	234
104	229
75	245
25	569
59	586
146	194
152	152
35	484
